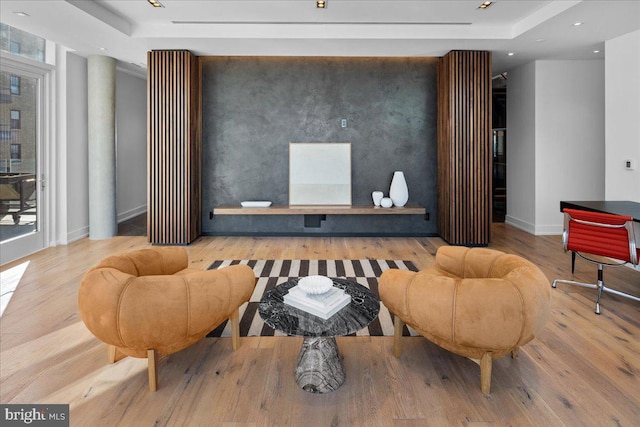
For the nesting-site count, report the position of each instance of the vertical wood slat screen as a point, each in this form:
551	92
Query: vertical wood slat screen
464	147
174	202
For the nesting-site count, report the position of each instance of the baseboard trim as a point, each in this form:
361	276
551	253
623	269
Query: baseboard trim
522	225
537	230
131	213
83	232
78	234
548	230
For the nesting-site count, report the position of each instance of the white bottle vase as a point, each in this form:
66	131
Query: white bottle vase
398	192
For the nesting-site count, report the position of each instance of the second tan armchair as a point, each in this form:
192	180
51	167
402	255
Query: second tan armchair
478	303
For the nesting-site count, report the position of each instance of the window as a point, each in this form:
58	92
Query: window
15	119
31	112
16	152
22	43
15	85
14	47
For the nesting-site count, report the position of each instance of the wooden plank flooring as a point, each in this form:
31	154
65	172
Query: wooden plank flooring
583	370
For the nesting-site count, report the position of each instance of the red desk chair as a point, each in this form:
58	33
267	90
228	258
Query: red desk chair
602	239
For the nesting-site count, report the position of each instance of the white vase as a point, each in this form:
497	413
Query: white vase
377	196
386	202
398	192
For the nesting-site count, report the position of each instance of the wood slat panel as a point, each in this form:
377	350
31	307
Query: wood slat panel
174	148
464	147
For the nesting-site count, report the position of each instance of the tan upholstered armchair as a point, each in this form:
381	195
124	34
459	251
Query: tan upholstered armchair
148	302
478	303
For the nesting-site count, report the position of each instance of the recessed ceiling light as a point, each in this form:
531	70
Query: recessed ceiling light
577	24
511	53
155	3
539	40
20	13
485	4
596	51
321	4
103	49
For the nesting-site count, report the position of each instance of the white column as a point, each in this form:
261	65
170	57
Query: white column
57	174
102	147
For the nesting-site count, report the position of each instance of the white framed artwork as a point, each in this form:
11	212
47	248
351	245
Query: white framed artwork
320	173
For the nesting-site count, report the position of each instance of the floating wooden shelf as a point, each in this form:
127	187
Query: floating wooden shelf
319	210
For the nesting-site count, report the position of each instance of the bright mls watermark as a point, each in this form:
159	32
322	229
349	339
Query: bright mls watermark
34	415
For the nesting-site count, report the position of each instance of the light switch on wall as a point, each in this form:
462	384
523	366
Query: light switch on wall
630	164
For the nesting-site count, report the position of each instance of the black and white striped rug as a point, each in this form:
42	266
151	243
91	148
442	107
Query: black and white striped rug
271	273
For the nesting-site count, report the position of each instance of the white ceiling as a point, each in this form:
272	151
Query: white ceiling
127	29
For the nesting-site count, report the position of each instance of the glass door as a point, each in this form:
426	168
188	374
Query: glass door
21	154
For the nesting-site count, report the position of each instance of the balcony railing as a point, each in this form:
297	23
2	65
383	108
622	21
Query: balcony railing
8	134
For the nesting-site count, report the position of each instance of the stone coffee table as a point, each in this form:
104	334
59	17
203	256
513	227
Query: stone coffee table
320	368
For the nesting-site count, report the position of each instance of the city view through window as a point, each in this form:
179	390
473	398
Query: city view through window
19	100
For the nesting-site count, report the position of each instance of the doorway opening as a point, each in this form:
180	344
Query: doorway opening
499	182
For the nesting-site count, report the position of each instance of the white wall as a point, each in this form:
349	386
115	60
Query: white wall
555	140
131	136
521	147
569	137
77	149
622	82
131	190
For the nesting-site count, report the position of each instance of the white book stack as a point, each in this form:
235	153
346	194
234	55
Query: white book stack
322	305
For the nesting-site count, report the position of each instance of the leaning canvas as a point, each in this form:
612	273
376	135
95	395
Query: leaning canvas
320	173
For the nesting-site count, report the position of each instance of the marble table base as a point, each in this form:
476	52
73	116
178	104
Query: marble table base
320	368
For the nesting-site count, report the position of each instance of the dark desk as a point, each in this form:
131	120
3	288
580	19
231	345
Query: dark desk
624	207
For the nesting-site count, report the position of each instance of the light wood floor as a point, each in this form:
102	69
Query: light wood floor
583	370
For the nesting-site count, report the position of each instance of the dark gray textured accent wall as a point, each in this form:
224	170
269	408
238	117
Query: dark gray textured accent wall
253	107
